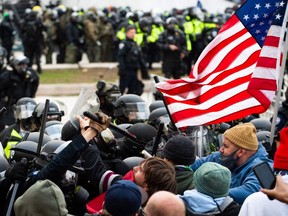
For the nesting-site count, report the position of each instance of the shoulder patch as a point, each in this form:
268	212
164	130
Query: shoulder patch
121	45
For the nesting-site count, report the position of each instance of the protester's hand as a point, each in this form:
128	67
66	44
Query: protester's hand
279	192
102	125
173	47
83	122
17	172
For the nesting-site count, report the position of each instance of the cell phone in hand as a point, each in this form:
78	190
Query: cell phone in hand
265	176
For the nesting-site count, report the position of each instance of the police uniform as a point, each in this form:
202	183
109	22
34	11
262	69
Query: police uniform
171	65
9	137
130	60
14	86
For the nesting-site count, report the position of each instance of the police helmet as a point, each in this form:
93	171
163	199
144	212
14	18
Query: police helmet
223	127
196	12
144	133
74	17
157	95
53	113
34	136
47	152
132	16
107	93
19	63
27	11
132	107
3	163
145	23
91	16
156	104
117	134
133	161
261	124
69	131
61	9
264	138
54	15
172	20
157	116
25	149
157	21
53	129
24	108
123	13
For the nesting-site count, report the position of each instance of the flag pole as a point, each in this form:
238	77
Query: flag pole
156	79
280	79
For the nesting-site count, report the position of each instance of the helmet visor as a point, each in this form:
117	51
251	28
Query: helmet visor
24	111
112	97
136	111
54	131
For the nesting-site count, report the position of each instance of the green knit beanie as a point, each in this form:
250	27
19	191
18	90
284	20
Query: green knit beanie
212	179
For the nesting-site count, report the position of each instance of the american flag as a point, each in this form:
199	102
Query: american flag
236	74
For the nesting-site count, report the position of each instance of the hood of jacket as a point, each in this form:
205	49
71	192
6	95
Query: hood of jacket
42	198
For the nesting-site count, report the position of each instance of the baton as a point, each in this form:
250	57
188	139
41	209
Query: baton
15	189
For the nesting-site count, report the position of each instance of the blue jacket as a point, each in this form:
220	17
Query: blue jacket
243	182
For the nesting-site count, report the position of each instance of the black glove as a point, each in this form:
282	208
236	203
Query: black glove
17	172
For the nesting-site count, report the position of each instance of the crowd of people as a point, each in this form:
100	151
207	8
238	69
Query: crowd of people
126	159
71	32
122	156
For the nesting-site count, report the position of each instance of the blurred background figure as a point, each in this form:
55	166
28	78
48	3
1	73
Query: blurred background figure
32	37
7	34
22	81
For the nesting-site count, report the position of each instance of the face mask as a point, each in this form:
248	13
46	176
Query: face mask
229	161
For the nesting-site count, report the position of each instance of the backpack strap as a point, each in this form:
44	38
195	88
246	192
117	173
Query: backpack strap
227	201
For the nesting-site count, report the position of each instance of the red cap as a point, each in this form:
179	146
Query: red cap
281	154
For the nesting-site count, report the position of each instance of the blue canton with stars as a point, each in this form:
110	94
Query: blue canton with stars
257	16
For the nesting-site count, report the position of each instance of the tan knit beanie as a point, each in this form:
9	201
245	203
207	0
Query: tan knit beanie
243	135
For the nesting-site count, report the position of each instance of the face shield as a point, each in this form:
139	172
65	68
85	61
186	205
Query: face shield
86	101
24	111
54	131
136	111
199	136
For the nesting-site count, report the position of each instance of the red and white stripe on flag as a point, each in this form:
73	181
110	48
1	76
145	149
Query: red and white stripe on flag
235	76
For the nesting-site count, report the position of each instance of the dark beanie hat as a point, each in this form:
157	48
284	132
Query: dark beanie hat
123	198
180	150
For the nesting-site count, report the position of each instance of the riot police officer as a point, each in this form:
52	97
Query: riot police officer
7	34
130	60
13	134
21	82
172	42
